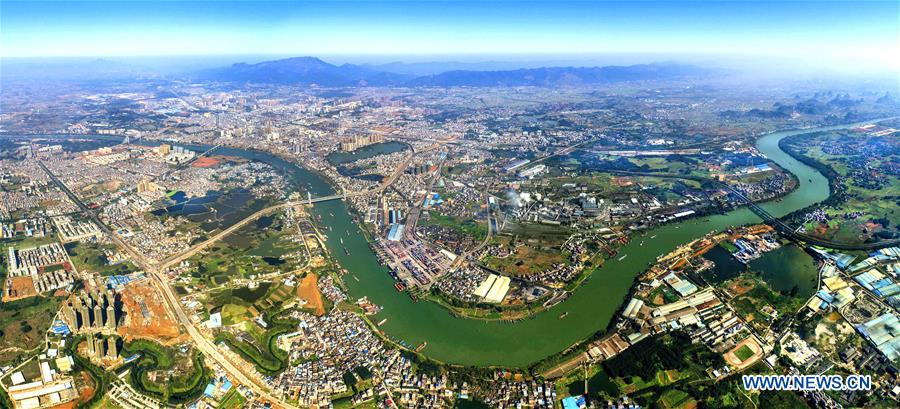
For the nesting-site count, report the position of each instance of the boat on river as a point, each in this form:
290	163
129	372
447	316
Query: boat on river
623	257
466	343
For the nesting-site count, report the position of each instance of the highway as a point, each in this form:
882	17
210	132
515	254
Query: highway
162	282
154	270
177	258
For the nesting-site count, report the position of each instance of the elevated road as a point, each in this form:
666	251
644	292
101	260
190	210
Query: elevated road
788	231
202	343
155	271
768	218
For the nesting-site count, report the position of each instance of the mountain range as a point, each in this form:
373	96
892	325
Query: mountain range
313	71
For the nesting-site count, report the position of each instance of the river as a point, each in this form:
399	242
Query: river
590	308
518	344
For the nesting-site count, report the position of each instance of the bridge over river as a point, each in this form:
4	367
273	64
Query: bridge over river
588	310
768	218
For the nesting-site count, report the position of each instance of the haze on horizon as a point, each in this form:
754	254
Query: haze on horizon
847	36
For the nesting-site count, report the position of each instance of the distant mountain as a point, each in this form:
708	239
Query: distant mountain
419	69
304	71
80	69
556	76
311	70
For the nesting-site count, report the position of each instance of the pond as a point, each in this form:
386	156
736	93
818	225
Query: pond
788	267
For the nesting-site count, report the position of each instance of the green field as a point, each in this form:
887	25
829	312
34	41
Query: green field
477	230
258	345
89	257
180	377
527	260
877	205
252	250
23	324
743	353
232	400
674	398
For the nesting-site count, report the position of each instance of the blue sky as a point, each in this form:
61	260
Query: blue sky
861	31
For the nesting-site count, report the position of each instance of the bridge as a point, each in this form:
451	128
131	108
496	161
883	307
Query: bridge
792	233
767	217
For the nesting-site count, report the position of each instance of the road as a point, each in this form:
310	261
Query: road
177	258
155	270
200	341
768	218
487	238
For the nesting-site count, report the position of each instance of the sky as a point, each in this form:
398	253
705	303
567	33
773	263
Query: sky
857	33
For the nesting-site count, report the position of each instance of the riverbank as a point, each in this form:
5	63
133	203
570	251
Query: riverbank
521	343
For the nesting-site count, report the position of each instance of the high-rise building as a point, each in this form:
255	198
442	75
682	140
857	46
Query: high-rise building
98	316
90	345
98	346
110	317
112	351
70	318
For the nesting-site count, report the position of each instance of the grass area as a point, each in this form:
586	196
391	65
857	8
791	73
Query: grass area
89	257
866	206
27	242
743	353
166	373
233	314
23	323
674	398
232	400
598	383
639	367
241	304
252	250
727	245
757	304
477	230
258	346
527	260
662	295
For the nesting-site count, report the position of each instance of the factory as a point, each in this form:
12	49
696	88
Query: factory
493	289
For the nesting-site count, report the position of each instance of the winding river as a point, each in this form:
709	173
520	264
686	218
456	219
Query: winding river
590	308
518	344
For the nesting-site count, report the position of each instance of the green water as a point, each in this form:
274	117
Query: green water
787	267
590	308
726	266
368	151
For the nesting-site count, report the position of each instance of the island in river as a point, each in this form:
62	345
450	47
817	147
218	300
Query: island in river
518	344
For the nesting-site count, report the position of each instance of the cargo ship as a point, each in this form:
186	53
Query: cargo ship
399	286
